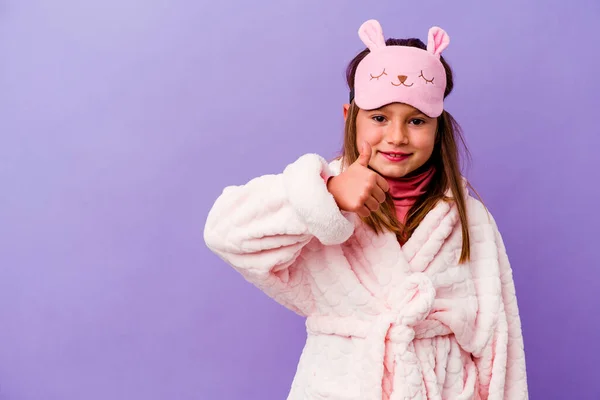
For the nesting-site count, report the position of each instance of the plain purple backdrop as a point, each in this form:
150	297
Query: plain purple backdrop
122	120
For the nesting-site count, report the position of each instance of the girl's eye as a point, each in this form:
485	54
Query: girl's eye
379	118
417	121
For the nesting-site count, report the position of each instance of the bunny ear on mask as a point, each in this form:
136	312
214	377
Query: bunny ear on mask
437	41
371	34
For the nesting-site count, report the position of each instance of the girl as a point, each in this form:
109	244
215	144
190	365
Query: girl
402	276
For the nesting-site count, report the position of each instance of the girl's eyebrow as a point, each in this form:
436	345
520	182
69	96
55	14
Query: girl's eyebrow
417	113
379	109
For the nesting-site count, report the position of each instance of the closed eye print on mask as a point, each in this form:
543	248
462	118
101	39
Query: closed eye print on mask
426	80
378	76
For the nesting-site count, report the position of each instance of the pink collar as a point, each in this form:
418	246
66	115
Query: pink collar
406	190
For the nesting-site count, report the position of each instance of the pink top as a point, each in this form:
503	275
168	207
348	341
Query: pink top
406	191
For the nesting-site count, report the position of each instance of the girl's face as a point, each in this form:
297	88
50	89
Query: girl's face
401	138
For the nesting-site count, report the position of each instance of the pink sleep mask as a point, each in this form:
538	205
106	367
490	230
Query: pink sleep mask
403	74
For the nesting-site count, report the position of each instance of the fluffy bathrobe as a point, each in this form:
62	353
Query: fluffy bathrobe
383	321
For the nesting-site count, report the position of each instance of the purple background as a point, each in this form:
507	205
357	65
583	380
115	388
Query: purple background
122	120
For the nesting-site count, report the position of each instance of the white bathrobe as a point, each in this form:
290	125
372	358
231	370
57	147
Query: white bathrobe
383	321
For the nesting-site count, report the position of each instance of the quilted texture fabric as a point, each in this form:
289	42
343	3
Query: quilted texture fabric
383	321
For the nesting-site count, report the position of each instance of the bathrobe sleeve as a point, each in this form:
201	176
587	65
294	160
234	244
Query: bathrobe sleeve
261	227
503	374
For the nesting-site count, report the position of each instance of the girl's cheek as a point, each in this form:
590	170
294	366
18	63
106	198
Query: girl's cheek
422	142
373	136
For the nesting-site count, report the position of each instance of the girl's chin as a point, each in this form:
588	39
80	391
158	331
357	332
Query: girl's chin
391	171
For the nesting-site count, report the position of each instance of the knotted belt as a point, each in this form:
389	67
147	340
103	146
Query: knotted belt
392	332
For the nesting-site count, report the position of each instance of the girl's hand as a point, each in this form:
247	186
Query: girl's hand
359	189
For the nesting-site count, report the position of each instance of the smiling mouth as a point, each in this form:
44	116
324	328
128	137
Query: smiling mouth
395	157
402	84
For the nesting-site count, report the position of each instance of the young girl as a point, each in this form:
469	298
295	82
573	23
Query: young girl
402	276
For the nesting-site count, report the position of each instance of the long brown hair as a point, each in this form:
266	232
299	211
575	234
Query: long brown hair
445	159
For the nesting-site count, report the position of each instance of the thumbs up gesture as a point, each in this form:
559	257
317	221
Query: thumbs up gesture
359	189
